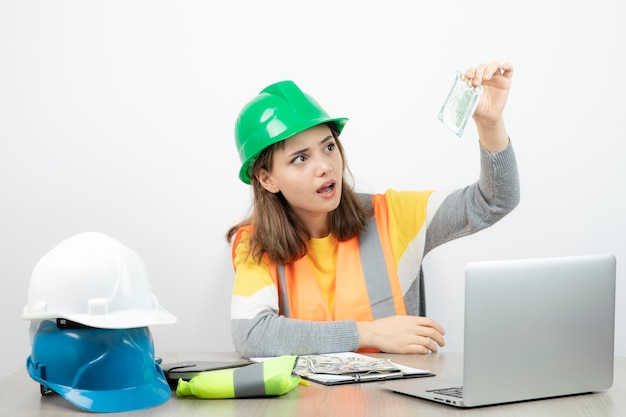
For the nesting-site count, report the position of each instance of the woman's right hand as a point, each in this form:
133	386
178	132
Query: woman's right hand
401	334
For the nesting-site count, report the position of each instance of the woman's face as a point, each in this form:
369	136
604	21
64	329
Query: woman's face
308	169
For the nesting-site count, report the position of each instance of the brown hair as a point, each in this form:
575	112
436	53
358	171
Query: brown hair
277	231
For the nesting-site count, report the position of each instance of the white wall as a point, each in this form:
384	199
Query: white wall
118	117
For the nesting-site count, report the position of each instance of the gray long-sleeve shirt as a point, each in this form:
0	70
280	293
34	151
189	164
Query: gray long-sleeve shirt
450	216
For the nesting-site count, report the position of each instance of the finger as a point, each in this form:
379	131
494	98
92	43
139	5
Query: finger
423	346
492	69
481	70
430	344
431	333
486	72
418	350
470	73
428	322
437	338
507	69
506	66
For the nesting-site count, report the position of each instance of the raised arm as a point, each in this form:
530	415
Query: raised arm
496	193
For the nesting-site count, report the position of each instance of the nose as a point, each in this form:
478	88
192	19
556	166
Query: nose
323	168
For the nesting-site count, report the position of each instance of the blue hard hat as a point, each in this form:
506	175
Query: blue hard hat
100	370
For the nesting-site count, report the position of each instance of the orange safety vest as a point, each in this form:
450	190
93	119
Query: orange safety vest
367	286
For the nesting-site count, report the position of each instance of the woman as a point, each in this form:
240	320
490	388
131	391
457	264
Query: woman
322	269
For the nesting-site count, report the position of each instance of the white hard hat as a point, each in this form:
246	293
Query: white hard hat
96	281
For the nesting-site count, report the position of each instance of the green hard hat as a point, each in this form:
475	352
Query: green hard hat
278	112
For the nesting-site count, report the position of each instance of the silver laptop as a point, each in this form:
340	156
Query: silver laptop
534	328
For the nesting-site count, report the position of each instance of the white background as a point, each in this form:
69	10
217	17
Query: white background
118	117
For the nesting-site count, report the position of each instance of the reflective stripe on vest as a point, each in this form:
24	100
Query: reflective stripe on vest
367	285
248	382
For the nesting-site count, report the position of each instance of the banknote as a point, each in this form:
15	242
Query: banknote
460	104
339	365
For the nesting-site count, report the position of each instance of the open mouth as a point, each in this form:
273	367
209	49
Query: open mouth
327	188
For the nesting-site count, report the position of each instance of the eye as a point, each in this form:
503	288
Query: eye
330	146
299	159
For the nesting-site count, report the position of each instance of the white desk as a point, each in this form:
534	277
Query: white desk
19	396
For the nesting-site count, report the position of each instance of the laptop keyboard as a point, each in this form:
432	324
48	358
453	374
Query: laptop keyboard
456	392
